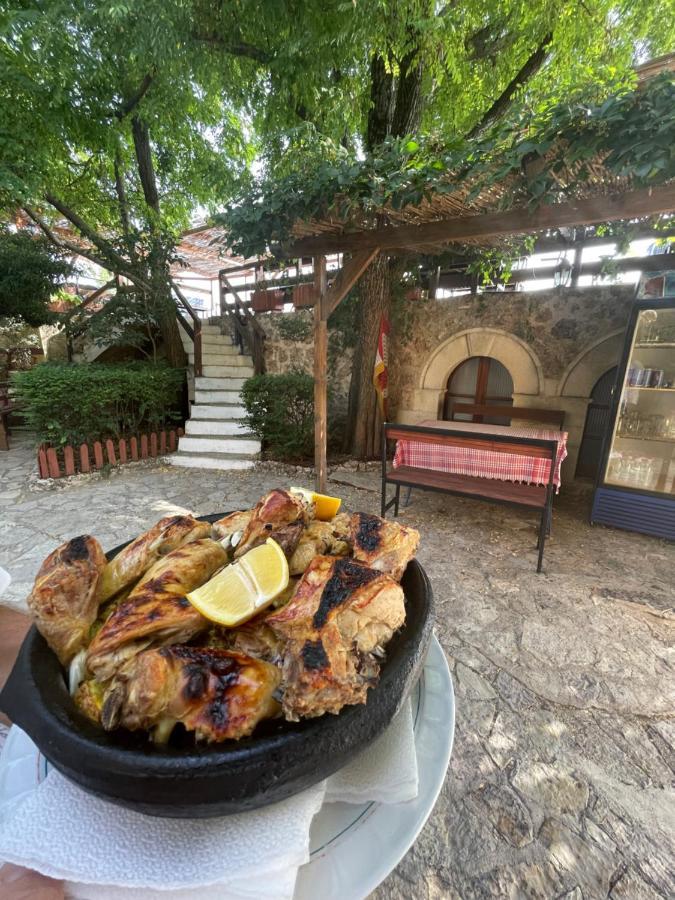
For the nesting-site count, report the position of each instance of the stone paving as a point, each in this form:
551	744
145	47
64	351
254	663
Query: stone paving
561	779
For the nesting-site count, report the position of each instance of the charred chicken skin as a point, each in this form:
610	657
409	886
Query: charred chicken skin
136	558
218	694
156	611
273	517
341	614
66	595
382	545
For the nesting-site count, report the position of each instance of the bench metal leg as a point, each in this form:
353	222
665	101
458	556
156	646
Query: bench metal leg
398	497
406	502
542	537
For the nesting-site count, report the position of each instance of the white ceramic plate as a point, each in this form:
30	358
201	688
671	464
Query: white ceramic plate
353	847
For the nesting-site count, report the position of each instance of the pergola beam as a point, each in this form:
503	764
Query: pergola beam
631	205
347	277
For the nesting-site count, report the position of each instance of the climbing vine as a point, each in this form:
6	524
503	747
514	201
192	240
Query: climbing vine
633	129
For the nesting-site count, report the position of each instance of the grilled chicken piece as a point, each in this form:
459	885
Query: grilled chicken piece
318	539
254	638
275	511
89	699
157	611
66	595
382	545
217	694
227	528
136	558
340	613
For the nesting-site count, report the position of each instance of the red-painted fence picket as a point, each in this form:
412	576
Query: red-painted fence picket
58	462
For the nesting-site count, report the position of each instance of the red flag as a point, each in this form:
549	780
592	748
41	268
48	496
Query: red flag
380	373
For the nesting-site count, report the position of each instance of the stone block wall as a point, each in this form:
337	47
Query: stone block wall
556	344
289	344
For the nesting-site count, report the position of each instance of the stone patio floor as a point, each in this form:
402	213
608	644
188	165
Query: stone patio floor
561	778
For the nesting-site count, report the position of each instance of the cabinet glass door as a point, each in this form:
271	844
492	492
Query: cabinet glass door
642	450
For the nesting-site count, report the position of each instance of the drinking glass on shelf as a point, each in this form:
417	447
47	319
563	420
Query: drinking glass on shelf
648	332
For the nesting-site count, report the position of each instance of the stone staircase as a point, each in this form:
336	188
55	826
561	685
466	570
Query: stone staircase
215	437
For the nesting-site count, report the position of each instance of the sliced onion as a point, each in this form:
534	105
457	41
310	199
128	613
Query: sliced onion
77	671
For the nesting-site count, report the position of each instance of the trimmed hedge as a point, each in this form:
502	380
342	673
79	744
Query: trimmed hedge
280	412
73	404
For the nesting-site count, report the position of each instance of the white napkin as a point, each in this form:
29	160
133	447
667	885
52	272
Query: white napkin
106	852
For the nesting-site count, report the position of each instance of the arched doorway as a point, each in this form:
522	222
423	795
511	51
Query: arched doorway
597	422
480	380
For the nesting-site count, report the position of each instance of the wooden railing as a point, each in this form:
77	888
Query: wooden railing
247	330
194	330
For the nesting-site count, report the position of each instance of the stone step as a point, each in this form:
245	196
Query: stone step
235	373
216	427
232	374
221	412
210	383
200	443
222	461
216	358
210	329
220	343
216	397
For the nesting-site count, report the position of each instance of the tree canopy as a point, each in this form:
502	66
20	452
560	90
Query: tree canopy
31	271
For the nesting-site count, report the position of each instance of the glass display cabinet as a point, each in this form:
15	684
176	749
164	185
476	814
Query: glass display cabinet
636	482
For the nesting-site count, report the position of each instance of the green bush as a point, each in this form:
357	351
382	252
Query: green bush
73	404
280	412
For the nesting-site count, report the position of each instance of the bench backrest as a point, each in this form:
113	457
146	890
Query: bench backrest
497	443
548	416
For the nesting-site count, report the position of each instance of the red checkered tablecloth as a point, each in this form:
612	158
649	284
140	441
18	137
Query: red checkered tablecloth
483	463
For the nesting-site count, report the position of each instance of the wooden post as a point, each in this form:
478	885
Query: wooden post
320	367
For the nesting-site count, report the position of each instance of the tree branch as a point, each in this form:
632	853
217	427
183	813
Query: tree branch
111	259
121	192
527	70
132	102
238	48
86	230
75	249
146	170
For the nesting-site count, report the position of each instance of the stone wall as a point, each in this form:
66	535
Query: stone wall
289	345
555	344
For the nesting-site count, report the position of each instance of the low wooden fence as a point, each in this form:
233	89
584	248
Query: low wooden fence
57	462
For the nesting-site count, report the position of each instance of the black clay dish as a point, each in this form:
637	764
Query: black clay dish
280	759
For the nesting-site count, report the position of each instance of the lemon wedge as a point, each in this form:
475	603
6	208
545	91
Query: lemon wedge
326	507
242	589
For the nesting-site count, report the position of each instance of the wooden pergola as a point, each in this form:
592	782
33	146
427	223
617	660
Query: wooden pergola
430	228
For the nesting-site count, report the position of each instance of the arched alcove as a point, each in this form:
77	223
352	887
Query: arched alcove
510	351
585	369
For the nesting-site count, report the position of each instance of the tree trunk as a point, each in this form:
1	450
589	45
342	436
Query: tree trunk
363	418
386	118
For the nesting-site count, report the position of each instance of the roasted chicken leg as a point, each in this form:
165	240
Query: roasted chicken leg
66	595
383	545
272	517
340	613
217	694
137	557
156	611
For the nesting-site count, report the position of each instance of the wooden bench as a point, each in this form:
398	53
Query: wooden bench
530	496
545	416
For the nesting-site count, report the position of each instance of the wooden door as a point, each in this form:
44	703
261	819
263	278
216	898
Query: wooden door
480	380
